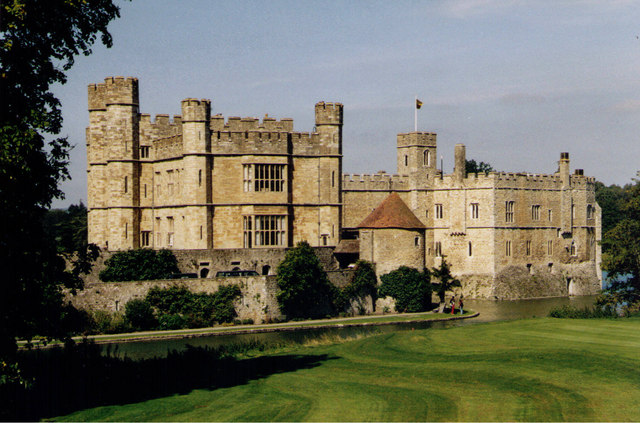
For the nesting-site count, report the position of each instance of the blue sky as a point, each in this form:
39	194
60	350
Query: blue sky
516	81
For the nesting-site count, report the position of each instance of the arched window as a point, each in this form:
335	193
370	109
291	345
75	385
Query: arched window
427	158
574	249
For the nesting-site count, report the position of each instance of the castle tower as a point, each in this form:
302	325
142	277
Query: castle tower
113	153
417	156
196	137
567	199
329	120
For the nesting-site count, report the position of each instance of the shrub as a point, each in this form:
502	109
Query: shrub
571	312
105	322
409	287
171	321
139	315
223	303
139	265
194	309
363	283
305	290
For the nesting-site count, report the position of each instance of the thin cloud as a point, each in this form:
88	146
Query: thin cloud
627	106
462	9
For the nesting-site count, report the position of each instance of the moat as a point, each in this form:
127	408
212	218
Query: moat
490	311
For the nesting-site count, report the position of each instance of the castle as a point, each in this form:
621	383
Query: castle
245	190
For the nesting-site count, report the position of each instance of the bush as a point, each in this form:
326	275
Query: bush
139	265
194	309
410	288
139	315
571	312
171	321
305	290
362	284
223	303
105	322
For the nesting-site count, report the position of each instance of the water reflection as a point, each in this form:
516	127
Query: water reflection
489	311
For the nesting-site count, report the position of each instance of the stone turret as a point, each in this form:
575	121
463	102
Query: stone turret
329	119
113	151
196	115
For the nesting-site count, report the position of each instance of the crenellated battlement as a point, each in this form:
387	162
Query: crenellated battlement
194	110
115	90
238	124
249	142
374	182
426	139
329	113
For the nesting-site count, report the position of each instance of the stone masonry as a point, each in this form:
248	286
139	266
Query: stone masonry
199	182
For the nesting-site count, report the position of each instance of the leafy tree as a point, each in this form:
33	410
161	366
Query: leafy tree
139	315
139	265
621	255
409	287
305	290
445	281
38	42
67	228
471	166
611	200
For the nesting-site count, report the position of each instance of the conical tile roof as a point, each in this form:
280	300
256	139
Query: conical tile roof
392	213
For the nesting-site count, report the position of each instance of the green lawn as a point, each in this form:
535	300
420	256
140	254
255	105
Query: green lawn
531	370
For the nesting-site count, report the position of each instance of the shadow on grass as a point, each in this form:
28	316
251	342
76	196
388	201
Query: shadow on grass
78	377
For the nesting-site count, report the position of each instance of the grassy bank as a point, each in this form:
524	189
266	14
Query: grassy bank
533	370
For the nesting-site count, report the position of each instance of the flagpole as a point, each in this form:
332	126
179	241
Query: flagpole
415	115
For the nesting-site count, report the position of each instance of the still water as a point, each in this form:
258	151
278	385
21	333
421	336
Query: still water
489	311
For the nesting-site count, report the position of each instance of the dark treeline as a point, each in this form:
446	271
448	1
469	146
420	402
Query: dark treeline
67	228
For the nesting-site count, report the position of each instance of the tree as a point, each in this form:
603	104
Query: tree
409	287
67	228
621	253
305	290
38	42
611	200
471	166
445	281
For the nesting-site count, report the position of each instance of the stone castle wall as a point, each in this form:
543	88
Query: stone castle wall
258	301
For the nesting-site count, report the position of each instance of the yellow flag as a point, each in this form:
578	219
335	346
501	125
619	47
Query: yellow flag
418	103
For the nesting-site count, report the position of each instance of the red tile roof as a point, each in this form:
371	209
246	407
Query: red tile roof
392	213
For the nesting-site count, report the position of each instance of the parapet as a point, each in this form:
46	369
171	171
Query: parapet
238	124
374	182
329	113
426	139
115	90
